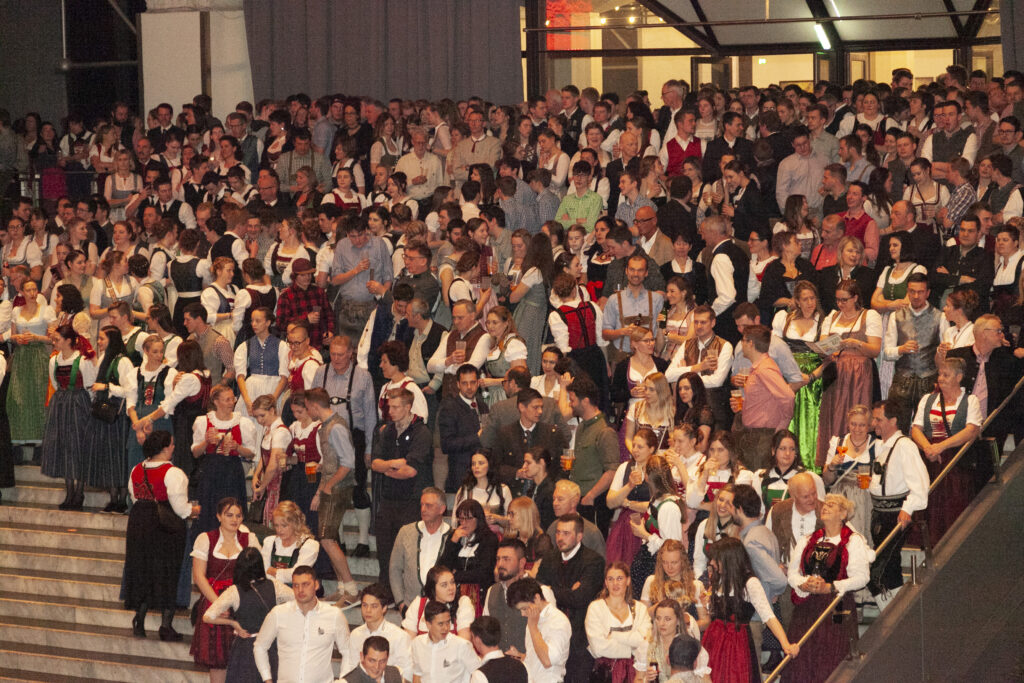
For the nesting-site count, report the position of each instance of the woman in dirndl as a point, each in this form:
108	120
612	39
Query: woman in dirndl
303	448
106	445
772	483
149	407
507	351
190	396
68	416
440	587
617	626
797	327
266	479
735	595
214	555
629	494
945	420
530	298
27	390
6	449
832	559
219	298
155	542
846	454
664	519
248	600
223	438
470	551
853	366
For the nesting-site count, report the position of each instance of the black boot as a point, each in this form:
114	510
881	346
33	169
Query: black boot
78	498
69	487
122	501
167	632
139	623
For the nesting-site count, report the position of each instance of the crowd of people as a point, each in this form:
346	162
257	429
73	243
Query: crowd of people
622	393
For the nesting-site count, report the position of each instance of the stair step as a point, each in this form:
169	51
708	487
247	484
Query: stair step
98	666
81	562
41	536
19	676
52	493
58	584
24	474
90	638
83	612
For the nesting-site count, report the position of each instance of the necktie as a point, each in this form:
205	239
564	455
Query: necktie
473	148
526	437
163	208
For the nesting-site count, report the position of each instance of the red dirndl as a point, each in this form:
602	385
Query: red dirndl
730	650
829	645
623	544
621	669
472	591
211	644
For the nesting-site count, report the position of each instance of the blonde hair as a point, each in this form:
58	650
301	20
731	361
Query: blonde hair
293	515
528	516
845	504
265	402
661	410
660	584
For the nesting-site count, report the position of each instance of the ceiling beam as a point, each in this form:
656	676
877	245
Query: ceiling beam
699	11
954	18
819	11
671	17
974	22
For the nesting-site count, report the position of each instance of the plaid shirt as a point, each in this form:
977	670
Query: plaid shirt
961	200
296	304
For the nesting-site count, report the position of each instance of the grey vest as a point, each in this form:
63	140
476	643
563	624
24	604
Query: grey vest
948	147
924	329
513	624
999	196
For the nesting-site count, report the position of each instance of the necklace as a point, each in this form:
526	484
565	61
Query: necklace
858	446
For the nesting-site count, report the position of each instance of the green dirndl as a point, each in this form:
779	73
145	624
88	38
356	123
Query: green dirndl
27	390
806	410
150	395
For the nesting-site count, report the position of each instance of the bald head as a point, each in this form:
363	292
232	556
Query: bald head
646	221
803	492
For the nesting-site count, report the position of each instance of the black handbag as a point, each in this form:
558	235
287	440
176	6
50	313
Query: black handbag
106	407
165	515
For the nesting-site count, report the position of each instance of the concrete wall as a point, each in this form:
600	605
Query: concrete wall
171	62
30	50
959	624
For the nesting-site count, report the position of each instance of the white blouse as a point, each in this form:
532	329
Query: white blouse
858	565
872	321
132	398
308	552
201	549
230	600
609	637
176	483
464	615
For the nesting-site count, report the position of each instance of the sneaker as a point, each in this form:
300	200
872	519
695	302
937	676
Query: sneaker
346	600
362	550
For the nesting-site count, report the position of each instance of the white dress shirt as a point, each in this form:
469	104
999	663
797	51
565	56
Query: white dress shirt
305	643
905	472
556	630
451	660
478	676
399	646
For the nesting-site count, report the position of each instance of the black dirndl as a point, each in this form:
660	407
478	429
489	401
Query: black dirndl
152	558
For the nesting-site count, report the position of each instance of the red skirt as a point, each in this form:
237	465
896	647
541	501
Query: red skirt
622	542
621	669
950	498
823	652
472	591
211	644
731	653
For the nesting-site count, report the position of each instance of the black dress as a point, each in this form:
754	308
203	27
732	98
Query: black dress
6	449
153	554
253	606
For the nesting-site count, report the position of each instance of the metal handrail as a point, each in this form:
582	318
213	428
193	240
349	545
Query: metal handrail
898	529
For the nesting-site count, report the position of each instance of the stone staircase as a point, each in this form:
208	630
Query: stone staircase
60	576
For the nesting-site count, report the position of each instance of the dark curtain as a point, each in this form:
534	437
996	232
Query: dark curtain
1011	22
386	48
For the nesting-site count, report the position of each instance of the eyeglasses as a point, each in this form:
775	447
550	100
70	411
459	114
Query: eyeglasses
295	343
644	220
842	299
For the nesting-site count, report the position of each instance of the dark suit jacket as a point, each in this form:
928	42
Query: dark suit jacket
511	448
976	263
585	567
751	214
459	425
613	172
1002	372
357	675
742	147
922	246
282	209
675	219
828	280
698	278
505	412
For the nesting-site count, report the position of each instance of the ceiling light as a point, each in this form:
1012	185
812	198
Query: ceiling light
603	21
762	60
632	20
547	22
822	38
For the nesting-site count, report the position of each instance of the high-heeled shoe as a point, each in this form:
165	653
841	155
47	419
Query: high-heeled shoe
168	634
138	627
